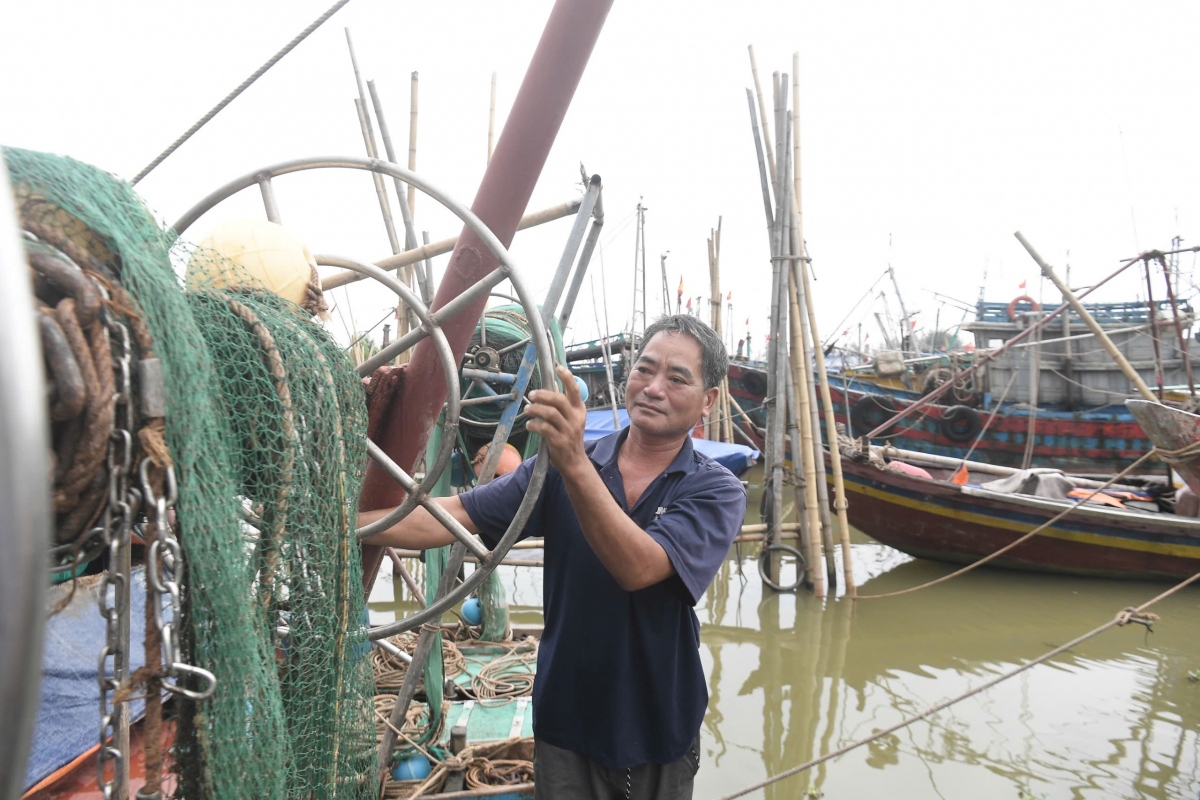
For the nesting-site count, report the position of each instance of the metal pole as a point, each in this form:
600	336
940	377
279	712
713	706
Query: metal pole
443	246
412	140
585	258
574	239
608	370
537	113
25	512
1183	349
269	203
491	118
1158	361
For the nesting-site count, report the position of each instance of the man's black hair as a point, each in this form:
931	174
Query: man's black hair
714	361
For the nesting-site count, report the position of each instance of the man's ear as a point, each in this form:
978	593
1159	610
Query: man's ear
710	399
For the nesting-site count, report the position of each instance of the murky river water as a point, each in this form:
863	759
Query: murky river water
792	677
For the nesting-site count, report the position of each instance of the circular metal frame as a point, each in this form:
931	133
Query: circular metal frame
801	563
453	390
488	560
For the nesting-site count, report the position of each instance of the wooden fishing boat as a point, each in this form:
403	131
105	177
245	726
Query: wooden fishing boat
1078	420
936	519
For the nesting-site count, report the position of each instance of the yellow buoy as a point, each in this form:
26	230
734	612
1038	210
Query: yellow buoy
256	254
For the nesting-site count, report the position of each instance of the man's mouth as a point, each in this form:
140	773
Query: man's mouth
651	409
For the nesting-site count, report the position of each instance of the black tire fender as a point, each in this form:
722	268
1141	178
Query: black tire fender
960	424
869	412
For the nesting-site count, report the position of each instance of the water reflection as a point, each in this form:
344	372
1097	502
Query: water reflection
794	677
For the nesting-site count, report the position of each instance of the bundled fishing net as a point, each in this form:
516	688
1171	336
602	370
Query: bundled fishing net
265	424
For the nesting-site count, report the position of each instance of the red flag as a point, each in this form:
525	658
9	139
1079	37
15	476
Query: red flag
747	322
729	296
961	477
689	305
680	286
1022	286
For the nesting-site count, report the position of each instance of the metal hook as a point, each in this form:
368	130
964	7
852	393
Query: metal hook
188	669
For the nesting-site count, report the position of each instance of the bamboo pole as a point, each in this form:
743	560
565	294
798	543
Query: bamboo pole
775	389
492	119
800	371
412	143
762	112
807	449
712	427
1088	320
839	486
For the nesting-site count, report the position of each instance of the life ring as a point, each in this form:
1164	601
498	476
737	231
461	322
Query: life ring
870	411
1024	298
960	424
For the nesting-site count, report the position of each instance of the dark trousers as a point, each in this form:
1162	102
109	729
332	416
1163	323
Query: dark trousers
566	775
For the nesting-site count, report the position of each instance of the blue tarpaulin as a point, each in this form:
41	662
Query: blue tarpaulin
736	458
68	719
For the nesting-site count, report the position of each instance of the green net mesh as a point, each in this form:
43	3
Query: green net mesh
266	426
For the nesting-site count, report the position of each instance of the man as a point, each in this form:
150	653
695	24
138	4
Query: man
636	525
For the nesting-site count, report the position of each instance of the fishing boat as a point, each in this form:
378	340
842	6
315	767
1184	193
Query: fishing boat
918	510
1074	407
1171	429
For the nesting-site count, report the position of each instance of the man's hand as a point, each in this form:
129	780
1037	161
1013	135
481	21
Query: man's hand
559	418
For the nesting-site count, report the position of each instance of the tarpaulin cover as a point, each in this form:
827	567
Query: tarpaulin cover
736	458
68	719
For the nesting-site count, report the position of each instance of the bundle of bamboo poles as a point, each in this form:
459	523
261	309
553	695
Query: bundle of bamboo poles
719	426
418	276
792	380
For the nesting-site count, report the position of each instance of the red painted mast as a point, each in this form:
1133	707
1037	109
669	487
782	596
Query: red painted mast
537	113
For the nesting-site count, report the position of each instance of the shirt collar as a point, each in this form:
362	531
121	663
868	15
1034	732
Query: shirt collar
604	454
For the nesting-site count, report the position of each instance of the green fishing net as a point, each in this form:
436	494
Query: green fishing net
266	425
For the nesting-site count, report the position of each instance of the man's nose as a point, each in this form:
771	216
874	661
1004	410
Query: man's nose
657	386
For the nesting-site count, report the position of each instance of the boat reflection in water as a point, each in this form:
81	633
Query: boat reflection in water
791	679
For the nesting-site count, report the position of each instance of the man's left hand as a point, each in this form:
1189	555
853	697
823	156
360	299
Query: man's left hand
559	418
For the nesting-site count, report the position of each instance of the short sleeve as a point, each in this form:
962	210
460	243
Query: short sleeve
492	506
698	528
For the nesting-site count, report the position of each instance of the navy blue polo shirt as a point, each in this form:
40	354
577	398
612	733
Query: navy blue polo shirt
619	673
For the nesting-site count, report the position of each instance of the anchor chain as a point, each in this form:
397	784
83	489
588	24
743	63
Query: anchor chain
116	526
164	573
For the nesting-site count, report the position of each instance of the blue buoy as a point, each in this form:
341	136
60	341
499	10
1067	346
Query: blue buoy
414	768
471	611
583	390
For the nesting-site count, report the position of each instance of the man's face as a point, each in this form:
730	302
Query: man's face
665	393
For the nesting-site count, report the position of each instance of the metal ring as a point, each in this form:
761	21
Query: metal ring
781	548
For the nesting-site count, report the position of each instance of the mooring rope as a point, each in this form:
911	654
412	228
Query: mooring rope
1026	537
1123	617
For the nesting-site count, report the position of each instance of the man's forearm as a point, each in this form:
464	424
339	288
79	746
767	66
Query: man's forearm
630	554
419	530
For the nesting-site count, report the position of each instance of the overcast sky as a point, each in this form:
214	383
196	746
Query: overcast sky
930	131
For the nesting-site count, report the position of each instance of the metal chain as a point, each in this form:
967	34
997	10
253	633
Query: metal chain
164	572
117	523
